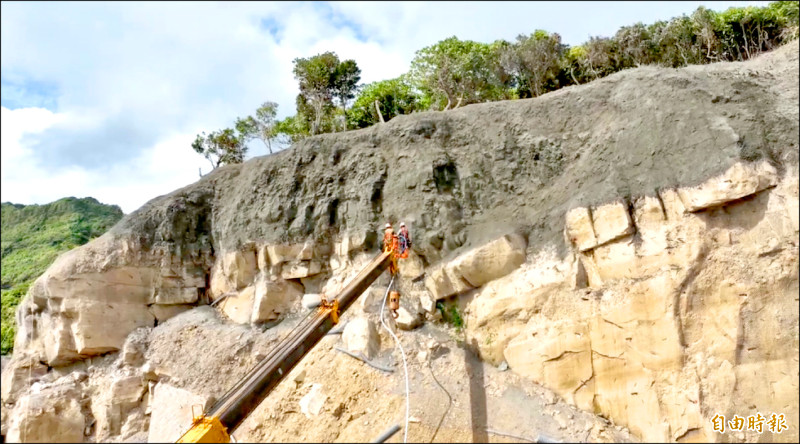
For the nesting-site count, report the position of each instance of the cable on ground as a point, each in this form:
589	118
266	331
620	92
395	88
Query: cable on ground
402	353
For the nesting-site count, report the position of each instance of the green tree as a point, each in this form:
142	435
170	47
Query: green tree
505	80
573	64
677	43
317	76
297	127
221	147
454	71
322	79
705	24
394	97
292	129
745	32
601	56
635	45
534	60
346	77
261	127
786	14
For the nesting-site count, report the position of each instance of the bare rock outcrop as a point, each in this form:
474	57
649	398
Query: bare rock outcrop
477	267
23	370
668	328
47	418
172	412
113	404
361	336
52	411
92	297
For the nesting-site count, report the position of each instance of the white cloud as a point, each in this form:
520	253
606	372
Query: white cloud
132	83
22	180
150	174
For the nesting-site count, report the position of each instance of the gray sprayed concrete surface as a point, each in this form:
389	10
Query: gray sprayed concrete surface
461	177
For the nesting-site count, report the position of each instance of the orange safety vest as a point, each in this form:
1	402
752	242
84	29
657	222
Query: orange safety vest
387	239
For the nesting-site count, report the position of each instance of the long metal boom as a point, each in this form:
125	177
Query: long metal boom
230	410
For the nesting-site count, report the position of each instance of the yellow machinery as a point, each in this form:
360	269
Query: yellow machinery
229	411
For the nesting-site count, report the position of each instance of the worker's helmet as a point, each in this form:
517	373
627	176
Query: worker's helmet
402	224
388	226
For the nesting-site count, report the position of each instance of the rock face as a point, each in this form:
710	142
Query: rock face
639	257
47	419
741	180
274	298
411	267
23	370
112	407
372	300
49	412
409	315
360	336
477	267
670	323
238	307
92	297
172	411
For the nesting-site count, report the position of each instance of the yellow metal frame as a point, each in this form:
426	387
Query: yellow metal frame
205	429
333	306
393	257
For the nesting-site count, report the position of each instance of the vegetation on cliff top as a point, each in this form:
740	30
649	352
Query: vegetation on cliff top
453	72
32	238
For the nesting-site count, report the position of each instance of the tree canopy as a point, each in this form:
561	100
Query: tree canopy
220	147
456	72
344	83
453	72
323	78
533	61
393	97
261	127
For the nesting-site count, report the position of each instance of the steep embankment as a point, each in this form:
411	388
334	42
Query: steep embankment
34	235
630	245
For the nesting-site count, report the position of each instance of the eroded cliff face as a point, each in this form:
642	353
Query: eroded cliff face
631	245
679	315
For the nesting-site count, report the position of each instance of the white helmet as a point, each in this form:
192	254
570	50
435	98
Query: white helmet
388	225
402	224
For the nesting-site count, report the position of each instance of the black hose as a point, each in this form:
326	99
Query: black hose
449	401
363	359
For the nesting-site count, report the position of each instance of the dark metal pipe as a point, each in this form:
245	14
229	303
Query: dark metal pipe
248	393
387	434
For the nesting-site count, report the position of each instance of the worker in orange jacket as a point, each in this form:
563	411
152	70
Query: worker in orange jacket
388	237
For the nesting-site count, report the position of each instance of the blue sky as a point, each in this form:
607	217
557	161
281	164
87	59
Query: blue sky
103	99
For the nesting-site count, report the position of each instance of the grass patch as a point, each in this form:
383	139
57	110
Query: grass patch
451	315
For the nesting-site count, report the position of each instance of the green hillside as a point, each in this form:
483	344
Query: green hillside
32	238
